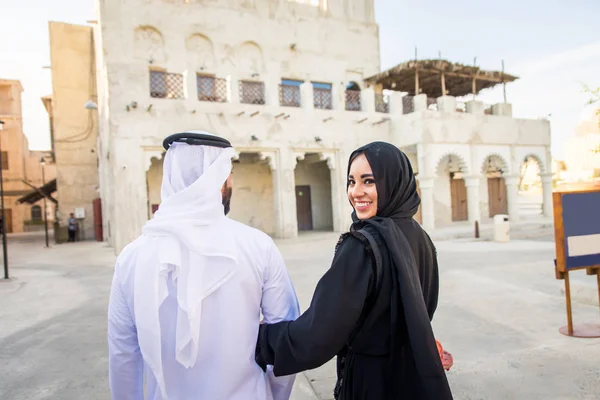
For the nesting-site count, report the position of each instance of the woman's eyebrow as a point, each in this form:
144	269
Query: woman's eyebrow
366	176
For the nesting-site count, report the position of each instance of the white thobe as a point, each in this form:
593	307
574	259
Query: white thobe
225	367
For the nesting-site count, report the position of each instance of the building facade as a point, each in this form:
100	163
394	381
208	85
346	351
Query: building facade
74	127
21	167
296	86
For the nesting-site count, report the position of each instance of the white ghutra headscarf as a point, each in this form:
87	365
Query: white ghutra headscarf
191	245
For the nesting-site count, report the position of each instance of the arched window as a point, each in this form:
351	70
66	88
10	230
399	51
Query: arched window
36	213
353	97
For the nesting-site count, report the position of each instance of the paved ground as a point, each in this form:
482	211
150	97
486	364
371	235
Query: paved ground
499	315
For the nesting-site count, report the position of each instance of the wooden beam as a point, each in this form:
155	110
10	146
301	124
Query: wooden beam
503	83
416	74
461	75
443	84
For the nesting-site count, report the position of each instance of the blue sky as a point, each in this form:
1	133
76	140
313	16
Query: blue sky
552	45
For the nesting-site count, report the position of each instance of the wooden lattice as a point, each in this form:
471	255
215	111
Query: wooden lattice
211	89
252	92
289	96
165	85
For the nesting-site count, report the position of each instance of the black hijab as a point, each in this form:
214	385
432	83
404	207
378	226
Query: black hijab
397	199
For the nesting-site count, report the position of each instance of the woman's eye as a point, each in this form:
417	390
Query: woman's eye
350	182
369	181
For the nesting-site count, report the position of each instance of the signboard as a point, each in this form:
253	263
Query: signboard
577	238
80	213
577	229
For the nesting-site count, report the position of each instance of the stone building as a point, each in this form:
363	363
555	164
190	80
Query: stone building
22	168
296	86
582	156
74	127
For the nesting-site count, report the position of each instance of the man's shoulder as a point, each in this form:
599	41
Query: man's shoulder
241	230
130	251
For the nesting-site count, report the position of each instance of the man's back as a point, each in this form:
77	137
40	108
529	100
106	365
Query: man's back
225	367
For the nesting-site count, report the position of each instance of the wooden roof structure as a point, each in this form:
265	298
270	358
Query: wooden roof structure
434	77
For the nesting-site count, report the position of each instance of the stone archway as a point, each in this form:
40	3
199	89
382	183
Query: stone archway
153	183
493	185
530	186
252	201
313	186
450	193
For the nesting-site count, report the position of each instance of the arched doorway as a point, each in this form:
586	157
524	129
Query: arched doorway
252	193
314	209
154	183
531	193
494	168
450	190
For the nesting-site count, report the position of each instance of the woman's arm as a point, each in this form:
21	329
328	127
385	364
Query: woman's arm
321	332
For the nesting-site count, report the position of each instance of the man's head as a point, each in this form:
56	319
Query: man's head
72	215
226	192
200	163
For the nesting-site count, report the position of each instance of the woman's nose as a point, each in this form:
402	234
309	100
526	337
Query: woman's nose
357	191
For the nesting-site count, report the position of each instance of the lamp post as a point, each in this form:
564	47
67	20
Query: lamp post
4	251
43	163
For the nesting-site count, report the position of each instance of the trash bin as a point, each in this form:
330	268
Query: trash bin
501	228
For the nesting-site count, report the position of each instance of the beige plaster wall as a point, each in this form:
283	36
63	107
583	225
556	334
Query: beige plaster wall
252	198
75	128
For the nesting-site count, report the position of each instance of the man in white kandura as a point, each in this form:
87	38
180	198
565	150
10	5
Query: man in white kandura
187	295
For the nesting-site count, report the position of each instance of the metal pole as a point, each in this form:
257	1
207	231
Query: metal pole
4	247
45	211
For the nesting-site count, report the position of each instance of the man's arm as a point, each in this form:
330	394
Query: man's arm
125	364
279	303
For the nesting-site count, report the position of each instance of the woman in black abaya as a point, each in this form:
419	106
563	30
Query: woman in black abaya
374	306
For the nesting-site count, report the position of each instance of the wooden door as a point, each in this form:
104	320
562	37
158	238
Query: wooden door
98	234
303	208
497	200
8	214
419	215
458	193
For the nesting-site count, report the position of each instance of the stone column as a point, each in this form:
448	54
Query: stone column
233	89
282	167
427	203
307	99
475	107
504	109
272	91
446	103
547	205
512	194
420	102
396	103
336	199
472	184
367	100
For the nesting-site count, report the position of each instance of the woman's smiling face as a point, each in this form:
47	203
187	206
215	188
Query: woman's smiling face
362	191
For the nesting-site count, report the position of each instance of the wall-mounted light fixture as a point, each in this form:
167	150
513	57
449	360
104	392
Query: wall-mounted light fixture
317	139
90	105
253	138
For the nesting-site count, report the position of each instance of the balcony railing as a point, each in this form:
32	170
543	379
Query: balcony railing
166	85
323	99
408	104
252	92
381	103
353	100
211	89
289	96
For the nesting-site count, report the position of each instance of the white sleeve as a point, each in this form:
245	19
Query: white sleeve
125	364
279	303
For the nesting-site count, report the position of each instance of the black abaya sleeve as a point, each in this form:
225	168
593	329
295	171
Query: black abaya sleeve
322	331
